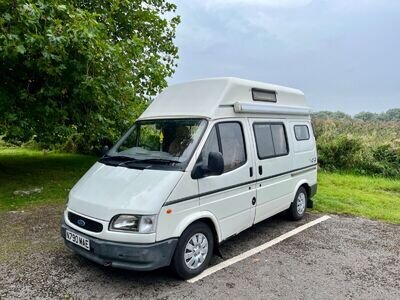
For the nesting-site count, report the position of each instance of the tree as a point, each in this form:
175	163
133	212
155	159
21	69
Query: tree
334	115
391	115
73	72
366	116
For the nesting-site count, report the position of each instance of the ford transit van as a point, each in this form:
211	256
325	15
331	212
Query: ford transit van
205	161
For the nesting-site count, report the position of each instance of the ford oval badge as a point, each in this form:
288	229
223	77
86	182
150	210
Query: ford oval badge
81	222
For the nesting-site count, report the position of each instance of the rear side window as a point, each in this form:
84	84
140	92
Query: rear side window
265	146
226	138
271	140
279	138
301	132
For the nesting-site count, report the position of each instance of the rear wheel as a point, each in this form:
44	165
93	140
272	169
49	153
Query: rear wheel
194	250
297	209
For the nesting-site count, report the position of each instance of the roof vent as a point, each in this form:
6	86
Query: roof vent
263	95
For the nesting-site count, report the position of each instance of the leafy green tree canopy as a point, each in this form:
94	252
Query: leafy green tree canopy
366	116
73	72
335	115
390	115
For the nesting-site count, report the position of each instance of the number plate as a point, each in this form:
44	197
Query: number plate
77	239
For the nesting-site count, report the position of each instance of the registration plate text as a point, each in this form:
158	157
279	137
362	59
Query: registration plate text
77	239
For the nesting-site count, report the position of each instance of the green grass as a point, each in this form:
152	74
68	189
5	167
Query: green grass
371	197
24	169
342	193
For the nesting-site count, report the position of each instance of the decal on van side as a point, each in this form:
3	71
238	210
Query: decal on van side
304	169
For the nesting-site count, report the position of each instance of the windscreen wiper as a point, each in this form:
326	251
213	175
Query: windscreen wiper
121	157
131	160
158	160
117	159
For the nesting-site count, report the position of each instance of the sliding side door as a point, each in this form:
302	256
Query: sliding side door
273	167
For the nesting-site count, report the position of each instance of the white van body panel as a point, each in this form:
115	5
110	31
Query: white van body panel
105	191
230	202
183	214
305	152
274	193
212	98
186	187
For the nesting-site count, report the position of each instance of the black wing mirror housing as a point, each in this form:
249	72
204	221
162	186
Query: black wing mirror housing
215	163
215	166
104	150
198	171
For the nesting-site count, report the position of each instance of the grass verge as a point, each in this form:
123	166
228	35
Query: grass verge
371	197
24	172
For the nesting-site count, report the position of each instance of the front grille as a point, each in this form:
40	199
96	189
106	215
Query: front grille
85	223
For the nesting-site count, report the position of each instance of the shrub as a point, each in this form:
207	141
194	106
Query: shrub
366	147
340	153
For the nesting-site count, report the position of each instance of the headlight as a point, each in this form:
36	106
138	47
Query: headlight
140	224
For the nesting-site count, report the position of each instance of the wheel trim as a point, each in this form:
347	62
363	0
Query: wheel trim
301	203
196	251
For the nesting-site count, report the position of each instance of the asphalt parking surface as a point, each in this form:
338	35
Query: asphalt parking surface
341	258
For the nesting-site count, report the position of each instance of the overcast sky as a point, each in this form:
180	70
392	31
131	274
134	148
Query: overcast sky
344	54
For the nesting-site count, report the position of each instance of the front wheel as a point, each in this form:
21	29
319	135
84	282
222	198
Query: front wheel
194	250
297	209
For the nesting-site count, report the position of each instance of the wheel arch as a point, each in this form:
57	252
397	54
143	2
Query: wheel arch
302	183
202	216
306	184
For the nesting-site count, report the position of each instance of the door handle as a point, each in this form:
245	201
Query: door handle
260	170
251	171
253	201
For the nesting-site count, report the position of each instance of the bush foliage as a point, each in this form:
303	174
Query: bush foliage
73	72
367	147
389	115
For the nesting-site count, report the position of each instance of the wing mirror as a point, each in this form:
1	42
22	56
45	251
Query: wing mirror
215	163
106	145
104	150
215	166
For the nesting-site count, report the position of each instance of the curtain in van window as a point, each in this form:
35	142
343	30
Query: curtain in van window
265	147
232	144
270	140
279	137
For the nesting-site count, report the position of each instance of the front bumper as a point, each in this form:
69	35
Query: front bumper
130	256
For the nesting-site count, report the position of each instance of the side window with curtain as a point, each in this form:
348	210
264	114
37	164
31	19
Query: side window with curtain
271	140
279	138
265	146
232	143
226	138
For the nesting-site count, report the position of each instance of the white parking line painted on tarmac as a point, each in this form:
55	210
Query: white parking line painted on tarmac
257	249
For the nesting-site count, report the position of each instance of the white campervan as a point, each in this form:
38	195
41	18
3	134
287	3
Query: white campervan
205	161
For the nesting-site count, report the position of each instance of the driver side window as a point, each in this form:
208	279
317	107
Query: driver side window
226	138
211	145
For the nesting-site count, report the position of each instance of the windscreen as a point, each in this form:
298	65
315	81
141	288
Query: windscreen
160	140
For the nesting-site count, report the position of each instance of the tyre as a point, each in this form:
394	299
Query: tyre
194	250
297	209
